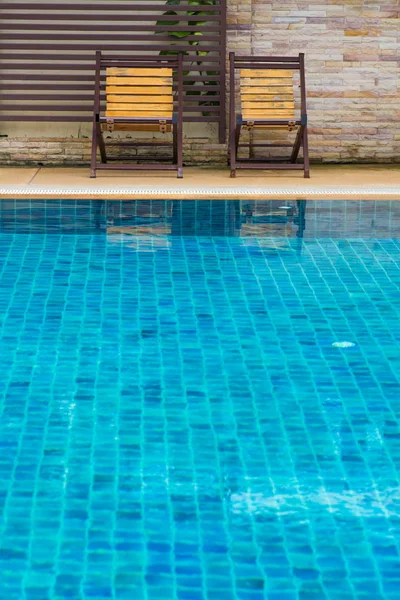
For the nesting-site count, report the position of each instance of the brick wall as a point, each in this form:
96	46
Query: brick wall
352	52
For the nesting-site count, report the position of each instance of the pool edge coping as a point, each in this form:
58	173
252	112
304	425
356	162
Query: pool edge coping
190	193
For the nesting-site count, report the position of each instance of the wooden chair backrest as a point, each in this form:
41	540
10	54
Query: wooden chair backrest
139	92
267	94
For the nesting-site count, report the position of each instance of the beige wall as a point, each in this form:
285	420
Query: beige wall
352	52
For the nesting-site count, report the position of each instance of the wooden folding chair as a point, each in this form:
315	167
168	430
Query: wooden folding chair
140	96
267	102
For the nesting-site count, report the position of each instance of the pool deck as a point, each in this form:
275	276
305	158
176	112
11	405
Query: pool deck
370	182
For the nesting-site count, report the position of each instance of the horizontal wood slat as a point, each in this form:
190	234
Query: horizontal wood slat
266	73
73	35
156	72
98	8
132	90
267	93
267	114
105	28
139	113
104	46
128	99
258	105
263	82
123	81
139	107
95	17
48	48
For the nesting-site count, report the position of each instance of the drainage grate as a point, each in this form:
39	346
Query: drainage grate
144	192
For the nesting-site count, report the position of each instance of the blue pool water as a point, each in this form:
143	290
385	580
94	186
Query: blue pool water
175	421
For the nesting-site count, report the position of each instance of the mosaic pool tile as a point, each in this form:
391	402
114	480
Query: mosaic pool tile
175	421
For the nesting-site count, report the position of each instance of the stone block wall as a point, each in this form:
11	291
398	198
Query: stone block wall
352	52
64	151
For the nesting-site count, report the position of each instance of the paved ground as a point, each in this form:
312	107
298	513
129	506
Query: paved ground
327	181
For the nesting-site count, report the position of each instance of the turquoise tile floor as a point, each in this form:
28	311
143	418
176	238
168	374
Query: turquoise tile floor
176	421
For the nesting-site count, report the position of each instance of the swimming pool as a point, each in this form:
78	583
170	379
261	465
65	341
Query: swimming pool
179	416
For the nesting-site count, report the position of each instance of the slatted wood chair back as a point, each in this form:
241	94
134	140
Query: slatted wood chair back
267	94
268	102
139	92
142	93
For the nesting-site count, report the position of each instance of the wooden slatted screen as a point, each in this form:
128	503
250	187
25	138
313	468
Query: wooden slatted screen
47	53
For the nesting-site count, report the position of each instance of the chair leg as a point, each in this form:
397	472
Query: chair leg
175	144
179	150
237	138
102	146
305	153
251	142
234	144
232	157
94	151
297	144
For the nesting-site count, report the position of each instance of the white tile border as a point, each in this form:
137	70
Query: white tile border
56	192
